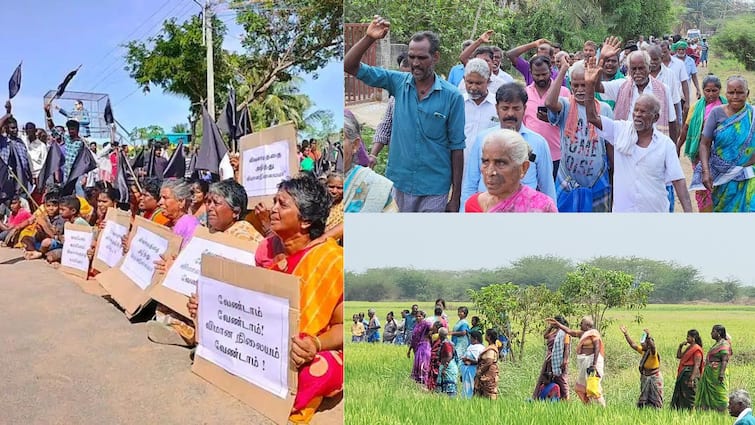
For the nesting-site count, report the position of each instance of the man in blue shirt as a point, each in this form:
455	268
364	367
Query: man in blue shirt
511	101
427	136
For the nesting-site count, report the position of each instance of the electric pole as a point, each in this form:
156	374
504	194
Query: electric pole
210	65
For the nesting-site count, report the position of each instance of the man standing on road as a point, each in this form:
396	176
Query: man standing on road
427	138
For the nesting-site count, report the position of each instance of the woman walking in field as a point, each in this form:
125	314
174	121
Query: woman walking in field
554	368
689	371
435	348
651	381
486	379
420	344
469	364
590	358
712	390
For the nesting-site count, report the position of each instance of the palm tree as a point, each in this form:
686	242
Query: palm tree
283	102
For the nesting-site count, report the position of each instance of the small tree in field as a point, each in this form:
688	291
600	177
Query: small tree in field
516	310
594	291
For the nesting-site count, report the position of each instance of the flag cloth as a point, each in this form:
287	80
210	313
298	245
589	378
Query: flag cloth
23	175
83	164
139	160
52	167
121	178
14	85
244	124
227	121
150	165
108	115
64	84
176	167
7	183
213	149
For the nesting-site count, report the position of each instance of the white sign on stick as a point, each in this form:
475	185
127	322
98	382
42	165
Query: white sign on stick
184	273
265	167
139	264
111	248
245	332
75	248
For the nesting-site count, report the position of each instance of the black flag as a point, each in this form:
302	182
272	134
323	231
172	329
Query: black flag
121	178
139	160
7	183
83	164
22	174
244	125
14	85
176	167
227	121
64	84
213	149
150	165
108	115
52	168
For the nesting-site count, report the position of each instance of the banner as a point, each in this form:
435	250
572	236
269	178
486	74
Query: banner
267	158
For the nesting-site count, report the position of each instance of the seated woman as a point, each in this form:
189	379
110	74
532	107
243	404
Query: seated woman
505	161
298	218
334	226
198	208
651	381
148	202
17	219
365	190
108	198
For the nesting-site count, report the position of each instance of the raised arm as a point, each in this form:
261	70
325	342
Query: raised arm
48	117
592	78
469	51
572	332
629	339
377	30
518	50
551	97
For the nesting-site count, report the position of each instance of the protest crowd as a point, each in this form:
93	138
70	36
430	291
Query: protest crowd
54	179
599	130
462	359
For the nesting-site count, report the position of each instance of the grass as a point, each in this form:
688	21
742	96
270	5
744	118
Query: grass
380	391
724	67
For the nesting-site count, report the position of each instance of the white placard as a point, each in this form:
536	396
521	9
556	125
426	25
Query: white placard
184	273
75	248
146	248
265	167
111	244
244	332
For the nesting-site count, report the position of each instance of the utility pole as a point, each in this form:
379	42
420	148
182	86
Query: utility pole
210	65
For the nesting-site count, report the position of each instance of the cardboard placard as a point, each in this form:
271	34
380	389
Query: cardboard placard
217	273
262	164
109	240
181	279
77	241
147	242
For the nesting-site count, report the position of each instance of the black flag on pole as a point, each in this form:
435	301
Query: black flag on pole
83	164
139	160
108	115
52	167
176	167
213	149
244	124
121	178
7	183
14	85
64	84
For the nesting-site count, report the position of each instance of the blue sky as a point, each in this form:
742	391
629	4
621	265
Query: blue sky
53	38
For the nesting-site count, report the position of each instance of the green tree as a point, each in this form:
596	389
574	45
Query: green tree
321	124
180	128
175	60
738	40
516	311
146	133
283	102
595	291
539	269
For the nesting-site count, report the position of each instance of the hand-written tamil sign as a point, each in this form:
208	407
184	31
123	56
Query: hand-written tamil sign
184	273
264	167
110	244
245	332
78	240
139	264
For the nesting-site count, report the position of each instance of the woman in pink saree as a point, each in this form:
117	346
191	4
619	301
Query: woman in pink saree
505	160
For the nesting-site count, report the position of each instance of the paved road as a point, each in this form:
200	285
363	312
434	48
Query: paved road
70	357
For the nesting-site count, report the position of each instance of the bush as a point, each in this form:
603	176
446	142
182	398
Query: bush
737	38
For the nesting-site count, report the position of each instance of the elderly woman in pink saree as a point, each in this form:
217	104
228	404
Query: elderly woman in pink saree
505	160
420	344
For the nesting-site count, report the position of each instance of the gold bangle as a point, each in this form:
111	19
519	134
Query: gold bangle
318	344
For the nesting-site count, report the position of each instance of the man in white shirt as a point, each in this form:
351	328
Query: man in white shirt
37	150
677	68
486	54
665	75
479	102
644	158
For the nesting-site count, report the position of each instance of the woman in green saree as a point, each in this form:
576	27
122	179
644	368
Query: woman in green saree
712	390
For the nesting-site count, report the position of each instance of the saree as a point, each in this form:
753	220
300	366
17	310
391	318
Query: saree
486	379
684	394
421	346
552	370
320	270
712	393
461	342
733	145
448	375
367	191
585	361
434	370
468	371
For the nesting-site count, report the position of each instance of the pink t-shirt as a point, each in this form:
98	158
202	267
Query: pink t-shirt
550	133
18	218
